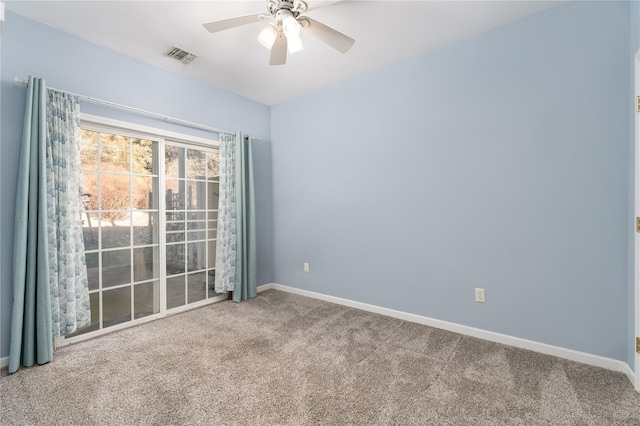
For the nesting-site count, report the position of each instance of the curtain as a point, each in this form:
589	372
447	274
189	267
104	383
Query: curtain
50	290
245	285
236	240
31	337
70	308
226	237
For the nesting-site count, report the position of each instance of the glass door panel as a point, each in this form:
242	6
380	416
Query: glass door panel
120	186
192	204
146	299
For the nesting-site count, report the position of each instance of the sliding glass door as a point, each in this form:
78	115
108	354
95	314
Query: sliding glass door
150	215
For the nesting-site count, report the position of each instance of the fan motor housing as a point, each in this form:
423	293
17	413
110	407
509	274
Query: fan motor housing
276	5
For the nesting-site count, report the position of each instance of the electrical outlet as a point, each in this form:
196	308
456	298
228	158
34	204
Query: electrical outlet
480	295
306	266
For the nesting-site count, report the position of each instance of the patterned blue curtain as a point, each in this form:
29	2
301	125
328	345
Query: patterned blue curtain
50	290
226	237
236	240
70	308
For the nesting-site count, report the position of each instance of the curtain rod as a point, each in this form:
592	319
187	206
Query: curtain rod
136	110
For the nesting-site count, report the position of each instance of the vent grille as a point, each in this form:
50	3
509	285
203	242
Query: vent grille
181	55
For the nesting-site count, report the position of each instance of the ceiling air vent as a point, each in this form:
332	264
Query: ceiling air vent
181	55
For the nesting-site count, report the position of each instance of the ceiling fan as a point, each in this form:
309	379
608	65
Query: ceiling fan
283	33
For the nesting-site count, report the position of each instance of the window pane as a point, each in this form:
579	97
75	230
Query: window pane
196	164
143	158
214	195
145	193
175	221
196	259
116	267
116	229
115	218
89	190
175	291
196	224
175	237
90	228
114	192
93	270
213	164
145	228
146	299
196	198
174	162
175	227
197	235
175	199
88	150
145	263
116	306
175	259
196	221
114	153
196	287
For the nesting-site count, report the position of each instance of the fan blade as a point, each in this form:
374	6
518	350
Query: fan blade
225	24
333	38
279	50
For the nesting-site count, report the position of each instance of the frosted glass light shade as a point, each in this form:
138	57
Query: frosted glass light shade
294	44
290	26
268	36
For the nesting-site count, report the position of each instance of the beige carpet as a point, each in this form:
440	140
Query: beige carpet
286	359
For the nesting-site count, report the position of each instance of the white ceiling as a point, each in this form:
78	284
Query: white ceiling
385	32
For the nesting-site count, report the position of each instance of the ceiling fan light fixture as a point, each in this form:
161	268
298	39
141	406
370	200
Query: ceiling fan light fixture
268	36
290	25
294	44
283	33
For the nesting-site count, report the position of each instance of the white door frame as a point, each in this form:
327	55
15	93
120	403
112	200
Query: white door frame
636	185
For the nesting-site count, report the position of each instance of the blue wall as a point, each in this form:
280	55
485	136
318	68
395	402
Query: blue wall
73	64
500	162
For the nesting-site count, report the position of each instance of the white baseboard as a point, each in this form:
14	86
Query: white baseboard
264	287
4	362
570	354
631	376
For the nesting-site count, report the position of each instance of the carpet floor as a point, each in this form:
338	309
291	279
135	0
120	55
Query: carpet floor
283	359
